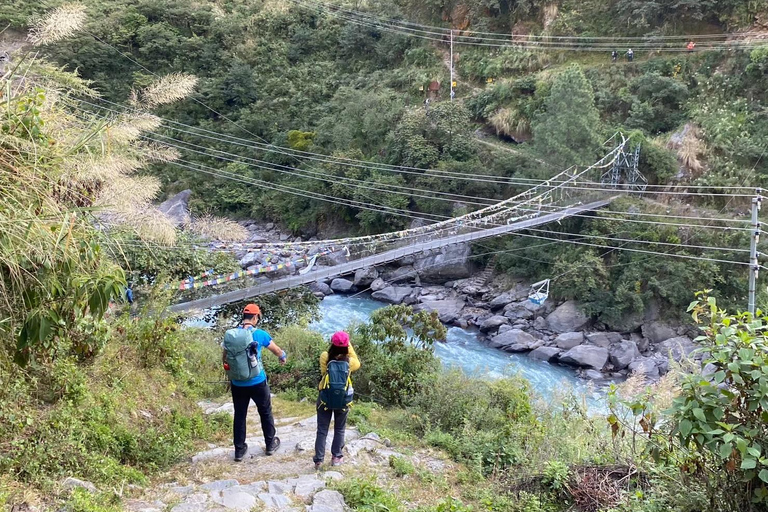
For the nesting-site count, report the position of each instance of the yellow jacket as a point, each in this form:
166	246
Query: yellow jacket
354	362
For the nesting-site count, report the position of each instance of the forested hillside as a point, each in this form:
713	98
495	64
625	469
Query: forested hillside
281	79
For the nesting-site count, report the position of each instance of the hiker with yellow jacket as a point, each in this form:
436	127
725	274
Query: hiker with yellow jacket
336	393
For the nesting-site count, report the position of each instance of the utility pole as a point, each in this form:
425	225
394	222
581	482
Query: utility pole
452	91
753	264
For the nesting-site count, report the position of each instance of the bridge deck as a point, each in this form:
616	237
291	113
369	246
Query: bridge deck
380	259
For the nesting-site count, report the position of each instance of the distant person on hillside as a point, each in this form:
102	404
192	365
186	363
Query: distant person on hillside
691	46
129	294
614	56
242	361
630	55
335	396
426	104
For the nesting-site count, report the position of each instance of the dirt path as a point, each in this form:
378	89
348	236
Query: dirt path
212	481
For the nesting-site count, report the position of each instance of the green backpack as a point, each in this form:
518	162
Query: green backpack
241	367
336	387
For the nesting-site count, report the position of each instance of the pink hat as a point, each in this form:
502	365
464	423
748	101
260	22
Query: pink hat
340	339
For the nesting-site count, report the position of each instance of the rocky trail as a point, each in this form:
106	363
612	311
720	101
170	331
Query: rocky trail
212	481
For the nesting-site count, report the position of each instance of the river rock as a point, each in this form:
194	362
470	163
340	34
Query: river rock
518	311
365	276
399	274
593	375
493	323
545	353
644	366
514	340
622	354
448	263
568	340
342	285
447	310
176	208
568	317
393	294
657	332
250	258
378	284
677	348
320	288
501	301
586	355
540	324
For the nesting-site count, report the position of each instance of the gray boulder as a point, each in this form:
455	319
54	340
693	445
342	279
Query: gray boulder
327	501
622	354
393	294
493	323
514	340
501	301
568	340
447	310
75	483
320	288
593	375
545	354
518	311
365	276
176	208
644	366
540	324
586	355
399	274
657	332
250	258
677	348
448	263
378	284
342	285
568	317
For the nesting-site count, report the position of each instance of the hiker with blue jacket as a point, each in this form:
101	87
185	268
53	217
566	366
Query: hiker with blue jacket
242	361
335	396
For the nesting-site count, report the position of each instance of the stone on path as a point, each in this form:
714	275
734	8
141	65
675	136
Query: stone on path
219	485
216	453
327	501
307	485
275	487
333	475
305	446
277	501
236	500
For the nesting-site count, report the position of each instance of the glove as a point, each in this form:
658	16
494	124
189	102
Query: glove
226	367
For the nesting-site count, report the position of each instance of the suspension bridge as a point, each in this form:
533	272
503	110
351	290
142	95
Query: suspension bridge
568	194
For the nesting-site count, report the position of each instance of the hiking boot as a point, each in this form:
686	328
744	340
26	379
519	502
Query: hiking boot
337	461
275	445
318	465
240	454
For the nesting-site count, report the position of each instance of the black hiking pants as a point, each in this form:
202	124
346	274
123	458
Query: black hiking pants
241	398
323	424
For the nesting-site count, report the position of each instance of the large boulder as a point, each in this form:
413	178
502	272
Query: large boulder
447	309
448	263
568	317
320	288
393	294
378	284
517	293
176	208
514	340
545	354
586	355
644	366
657	332
677	348
517	311
399	274
493	323
365	276
250	259
568	340
622	354
342	285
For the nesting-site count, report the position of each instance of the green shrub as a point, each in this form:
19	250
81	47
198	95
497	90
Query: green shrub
401	466
364	495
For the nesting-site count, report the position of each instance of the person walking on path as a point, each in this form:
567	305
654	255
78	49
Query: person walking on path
630	55
336	392
614	55
242	360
